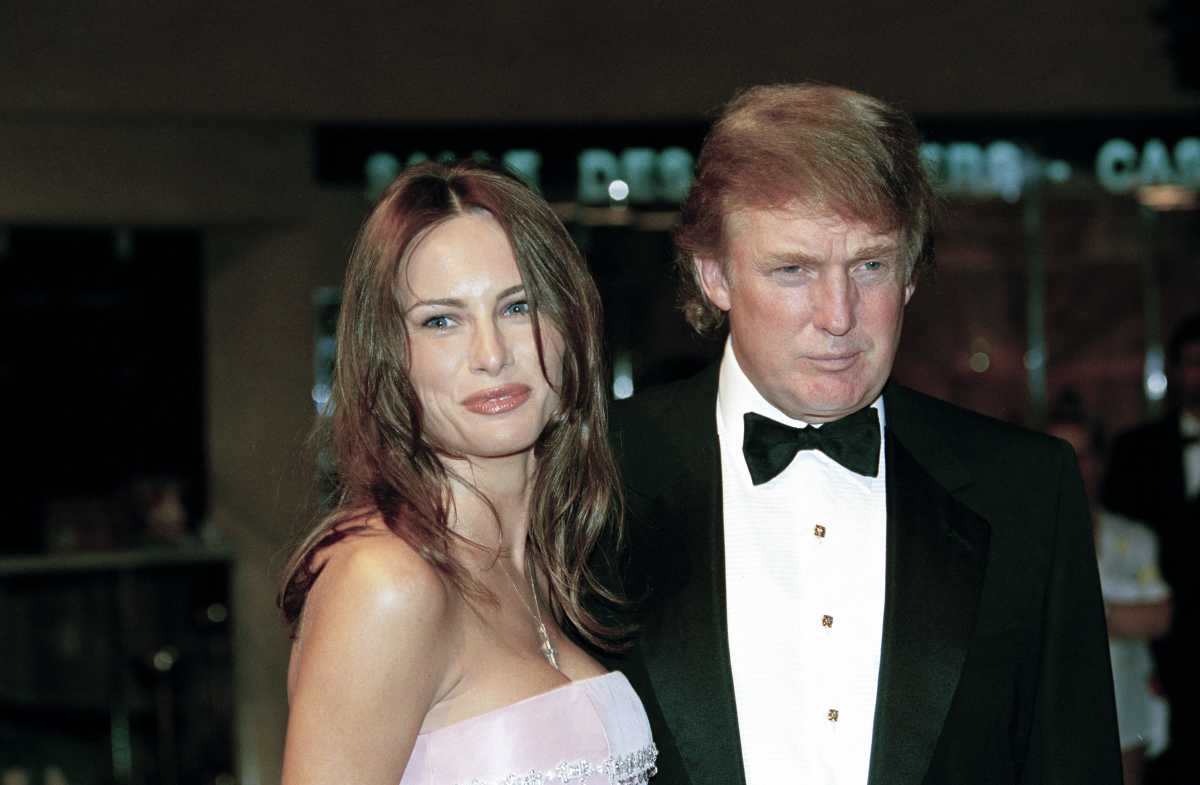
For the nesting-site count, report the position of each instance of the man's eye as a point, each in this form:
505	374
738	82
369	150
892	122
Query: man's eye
873	265
520	308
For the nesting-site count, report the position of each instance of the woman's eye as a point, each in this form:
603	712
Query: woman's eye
437	322
520	308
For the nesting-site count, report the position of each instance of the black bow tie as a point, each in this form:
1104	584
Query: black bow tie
852	441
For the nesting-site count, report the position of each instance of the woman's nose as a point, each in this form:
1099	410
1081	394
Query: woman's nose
489	352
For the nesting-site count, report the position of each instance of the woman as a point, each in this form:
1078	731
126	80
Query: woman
469	429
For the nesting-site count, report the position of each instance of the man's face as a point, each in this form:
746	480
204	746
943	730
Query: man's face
815	305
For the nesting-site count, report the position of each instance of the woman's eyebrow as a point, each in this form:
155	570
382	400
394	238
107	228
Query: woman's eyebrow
454	302
446	302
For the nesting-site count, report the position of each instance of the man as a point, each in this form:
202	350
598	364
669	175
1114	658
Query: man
923	606
1154	476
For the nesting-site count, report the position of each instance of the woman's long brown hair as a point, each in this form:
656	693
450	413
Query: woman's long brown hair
385	466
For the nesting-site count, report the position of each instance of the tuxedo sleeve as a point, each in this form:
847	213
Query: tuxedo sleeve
1073	738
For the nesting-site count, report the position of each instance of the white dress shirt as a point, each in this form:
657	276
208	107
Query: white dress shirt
804	577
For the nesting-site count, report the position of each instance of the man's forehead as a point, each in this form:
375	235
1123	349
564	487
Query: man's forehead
795	222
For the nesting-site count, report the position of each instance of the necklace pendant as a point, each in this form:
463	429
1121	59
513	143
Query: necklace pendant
548	650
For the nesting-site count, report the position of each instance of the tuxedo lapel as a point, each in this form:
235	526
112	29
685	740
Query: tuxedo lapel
936	558
686	648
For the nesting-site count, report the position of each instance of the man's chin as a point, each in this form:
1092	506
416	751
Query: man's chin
825	403
821	411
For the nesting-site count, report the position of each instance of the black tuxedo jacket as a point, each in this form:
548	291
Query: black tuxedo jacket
1145	475
994	664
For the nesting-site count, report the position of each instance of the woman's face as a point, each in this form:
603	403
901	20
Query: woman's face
473	355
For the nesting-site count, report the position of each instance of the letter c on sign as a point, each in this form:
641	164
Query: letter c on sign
1115	166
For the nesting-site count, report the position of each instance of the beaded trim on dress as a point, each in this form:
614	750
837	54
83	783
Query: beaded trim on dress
634	768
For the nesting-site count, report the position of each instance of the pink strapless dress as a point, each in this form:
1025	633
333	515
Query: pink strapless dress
589	732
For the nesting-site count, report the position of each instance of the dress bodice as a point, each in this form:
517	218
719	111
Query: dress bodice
588	732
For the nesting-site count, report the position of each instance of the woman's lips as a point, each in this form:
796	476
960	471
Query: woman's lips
497	400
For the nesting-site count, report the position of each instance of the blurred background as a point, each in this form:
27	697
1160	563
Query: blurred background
180	183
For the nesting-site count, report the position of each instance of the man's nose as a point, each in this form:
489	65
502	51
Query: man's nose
833	309
489	349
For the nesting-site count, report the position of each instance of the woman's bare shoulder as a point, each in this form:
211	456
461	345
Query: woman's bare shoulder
373	571
375	650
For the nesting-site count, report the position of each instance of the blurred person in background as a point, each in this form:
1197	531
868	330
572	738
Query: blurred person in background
474	478
1137	602
1153	476
846	582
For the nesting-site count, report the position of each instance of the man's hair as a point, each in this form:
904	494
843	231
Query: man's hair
820	148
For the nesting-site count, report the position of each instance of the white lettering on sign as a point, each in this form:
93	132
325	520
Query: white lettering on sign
676	168
597	168
525	163
662	176
652	176
380	169
1121	167
999	169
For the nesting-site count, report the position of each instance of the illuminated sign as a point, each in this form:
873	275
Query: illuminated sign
381	168
652	166
651	176
998	169
646	176
1121	167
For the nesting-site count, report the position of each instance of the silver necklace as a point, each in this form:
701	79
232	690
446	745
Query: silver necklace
547	648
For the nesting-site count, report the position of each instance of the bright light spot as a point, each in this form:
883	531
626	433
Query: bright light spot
980	362
1154	376
1167	197
622	376
164	659
622	387
618	190
216	613
320	396
1034	359
1156	386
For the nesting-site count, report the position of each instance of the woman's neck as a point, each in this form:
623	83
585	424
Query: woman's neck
505	484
